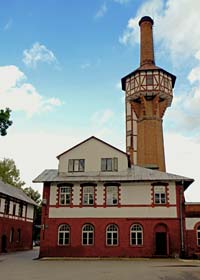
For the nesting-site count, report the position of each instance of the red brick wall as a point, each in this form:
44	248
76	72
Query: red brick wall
49	245
6	224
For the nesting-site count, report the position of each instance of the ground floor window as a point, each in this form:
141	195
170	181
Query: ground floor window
87	235
63	234
198	235
112	235
136	234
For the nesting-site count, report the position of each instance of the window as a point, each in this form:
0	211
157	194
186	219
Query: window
111	195
159	194
11	235
65	195
76	165
150	79
64	235
20	210
136	235
14	209
88	195
6	207
88	235
18	235
198	235
109	164
112	235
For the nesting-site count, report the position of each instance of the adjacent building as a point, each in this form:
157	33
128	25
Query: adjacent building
103	202
16	219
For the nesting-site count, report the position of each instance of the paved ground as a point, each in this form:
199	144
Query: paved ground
22	266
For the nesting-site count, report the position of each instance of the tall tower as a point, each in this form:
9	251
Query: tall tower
148	91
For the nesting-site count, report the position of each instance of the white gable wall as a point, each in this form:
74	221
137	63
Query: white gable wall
92	151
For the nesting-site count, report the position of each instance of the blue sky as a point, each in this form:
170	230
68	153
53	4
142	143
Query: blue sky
60	67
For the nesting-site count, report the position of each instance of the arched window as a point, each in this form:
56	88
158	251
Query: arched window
87	235
11	235
63	234
112	235
198	235
136	235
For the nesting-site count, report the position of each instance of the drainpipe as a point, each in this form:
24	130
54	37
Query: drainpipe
181	222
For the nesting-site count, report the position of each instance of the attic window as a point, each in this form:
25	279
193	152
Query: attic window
109	164
76	165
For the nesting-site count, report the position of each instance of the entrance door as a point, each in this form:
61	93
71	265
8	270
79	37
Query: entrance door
4	243
161	243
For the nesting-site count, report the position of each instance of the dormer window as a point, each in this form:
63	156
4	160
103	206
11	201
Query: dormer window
76	165
109	164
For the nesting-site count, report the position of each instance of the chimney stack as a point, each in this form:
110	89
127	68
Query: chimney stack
146	41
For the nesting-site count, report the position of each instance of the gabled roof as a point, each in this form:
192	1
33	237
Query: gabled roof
88	139
133	174
11	191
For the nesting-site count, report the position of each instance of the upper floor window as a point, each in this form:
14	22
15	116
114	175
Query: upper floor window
88	195
136	235
112	195
88	235
109	164
20	210
14	209
65	195
76	165
198	235
6	207
112	235
64	234
159	194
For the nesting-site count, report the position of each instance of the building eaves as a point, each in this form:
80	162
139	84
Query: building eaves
16	193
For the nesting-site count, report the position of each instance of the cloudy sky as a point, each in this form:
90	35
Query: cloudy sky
60	68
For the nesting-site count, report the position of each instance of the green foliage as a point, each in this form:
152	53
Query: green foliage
34	194
9	173
5	121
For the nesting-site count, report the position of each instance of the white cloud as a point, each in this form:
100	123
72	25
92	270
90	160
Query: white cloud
8	24
177	25
21	96
85	65
194	75
102	117
38	53
102	11
182	158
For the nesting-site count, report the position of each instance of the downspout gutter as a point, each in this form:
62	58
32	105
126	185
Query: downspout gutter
181	222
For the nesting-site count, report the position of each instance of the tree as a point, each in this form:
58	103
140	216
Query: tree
9	173
34	194
5	121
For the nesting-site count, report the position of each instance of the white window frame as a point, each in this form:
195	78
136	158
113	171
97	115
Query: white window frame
198	235
87	232
112	234
112	195
88	195
160	197
65	195
136	231
64	229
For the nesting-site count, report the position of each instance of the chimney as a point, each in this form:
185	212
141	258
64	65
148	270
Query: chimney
146	41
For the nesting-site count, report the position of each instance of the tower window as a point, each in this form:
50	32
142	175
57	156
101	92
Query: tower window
149	80
76	165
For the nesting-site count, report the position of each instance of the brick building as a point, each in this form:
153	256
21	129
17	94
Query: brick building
16	219
104	202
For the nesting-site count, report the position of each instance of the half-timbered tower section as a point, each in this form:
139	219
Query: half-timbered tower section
148	93
16	219
95	204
